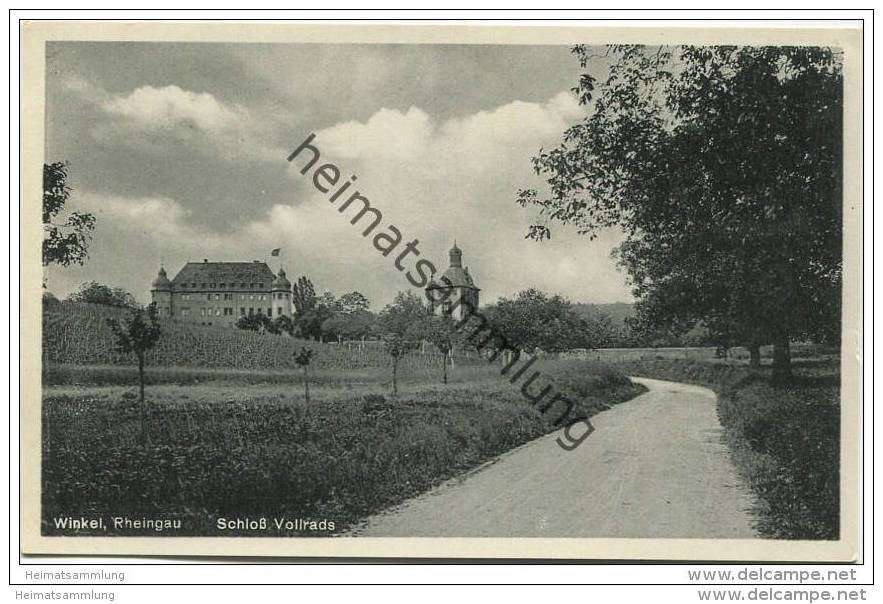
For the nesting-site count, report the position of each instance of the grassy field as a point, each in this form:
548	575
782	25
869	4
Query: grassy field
785	440
234	444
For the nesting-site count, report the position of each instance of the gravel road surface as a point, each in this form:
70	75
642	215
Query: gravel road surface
653	467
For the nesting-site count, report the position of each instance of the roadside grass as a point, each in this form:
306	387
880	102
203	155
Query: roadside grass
117	375
784	440
235	448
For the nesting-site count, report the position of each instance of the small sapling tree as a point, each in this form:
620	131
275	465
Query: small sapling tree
303	359
397	346
136	336
441	332
402	324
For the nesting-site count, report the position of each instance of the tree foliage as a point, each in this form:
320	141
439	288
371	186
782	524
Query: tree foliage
283	324
355	325
533	319
66	241
309	314
97	293
723	167
259	322
353	302
304	295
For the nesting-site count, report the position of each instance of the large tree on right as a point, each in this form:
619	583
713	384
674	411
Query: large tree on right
723	166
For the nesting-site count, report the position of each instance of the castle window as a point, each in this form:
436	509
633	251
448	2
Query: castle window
242	311
192	285
203	285
269	312
251	285
279	311
202	312
250	312
260	286
218	312
228	296
185	312
222	285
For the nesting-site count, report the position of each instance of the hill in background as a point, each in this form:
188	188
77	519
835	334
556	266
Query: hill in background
77	333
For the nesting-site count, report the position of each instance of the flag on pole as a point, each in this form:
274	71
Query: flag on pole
276	251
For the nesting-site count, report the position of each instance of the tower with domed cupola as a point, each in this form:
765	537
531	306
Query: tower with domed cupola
455	293
281	294
161	293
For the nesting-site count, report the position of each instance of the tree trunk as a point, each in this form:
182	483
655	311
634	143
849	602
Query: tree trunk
754	355
781	360
306	385
395	389
145	437
445	368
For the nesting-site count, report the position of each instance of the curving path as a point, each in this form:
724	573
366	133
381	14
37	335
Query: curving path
654	467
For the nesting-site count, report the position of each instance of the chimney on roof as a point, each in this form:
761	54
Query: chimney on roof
205	260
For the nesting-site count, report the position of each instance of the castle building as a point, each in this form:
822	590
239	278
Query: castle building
218	293
455	292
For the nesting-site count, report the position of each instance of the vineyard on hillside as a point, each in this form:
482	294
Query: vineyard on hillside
78	334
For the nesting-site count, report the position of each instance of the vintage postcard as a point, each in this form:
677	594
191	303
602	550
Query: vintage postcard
438	291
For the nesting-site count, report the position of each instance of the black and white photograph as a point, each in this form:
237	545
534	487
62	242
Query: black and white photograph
336	292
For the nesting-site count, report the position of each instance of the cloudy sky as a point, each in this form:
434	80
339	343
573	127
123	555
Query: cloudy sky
180	152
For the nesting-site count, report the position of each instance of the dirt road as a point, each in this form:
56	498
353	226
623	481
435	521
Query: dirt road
653	467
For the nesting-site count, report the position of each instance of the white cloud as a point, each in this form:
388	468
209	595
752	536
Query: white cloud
164	221
458	178
170	105
153	118
434	181
387	135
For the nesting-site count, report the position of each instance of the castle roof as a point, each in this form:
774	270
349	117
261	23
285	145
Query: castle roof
281	282
456	275
162	280
224	272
